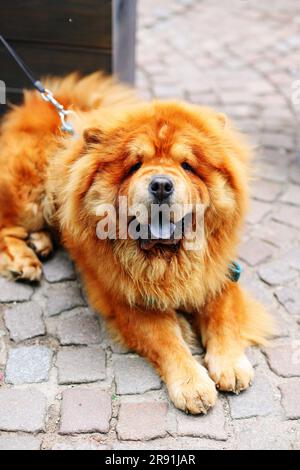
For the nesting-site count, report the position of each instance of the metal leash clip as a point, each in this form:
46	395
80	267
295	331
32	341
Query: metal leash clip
62	112
46	94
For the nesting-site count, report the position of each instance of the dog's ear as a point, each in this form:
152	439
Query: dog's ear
93	135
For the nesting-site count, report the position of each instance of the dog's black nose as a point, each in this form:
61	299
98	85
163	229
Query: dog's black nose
161	187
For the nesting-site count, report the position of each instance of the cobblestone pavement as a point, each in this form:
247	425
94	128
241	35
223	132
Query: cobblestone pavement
64	383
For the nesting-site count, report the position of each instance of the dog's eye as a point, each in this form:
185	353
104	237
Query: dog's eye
187	167
135	168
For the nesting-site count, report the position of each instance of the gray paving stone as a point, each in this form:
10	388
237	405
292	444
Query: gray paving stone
167	92
109	340
277	272
284	360
290	398
277	234
24	321
280	324
85	410
81	365
3	352
292	195
211	426
289	215
81	328
59	268
62	297
289	297
258	212
14	291
292	257
270	172
255	401
238	111
142	421
262	293
260	435
234	97
267	191
134	375
255	251
17	442
28	364
258	289
22	410
255	356
118	348
278	140
295	173
79	445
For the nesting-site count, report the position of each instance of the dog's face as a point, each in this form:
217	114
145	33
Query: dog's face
165	154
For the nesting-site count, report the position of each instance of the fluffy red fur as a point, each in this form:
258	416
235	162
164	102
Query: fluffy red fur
52	180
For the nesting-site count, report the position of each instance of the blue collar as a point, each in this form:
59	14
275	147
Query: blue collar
235	271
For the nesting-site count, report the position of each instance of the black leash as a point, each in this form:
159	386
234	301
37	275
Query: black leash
36	83
46	94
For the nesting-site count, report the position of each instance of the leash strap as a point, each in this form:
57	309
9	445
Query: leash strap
36	83
46	94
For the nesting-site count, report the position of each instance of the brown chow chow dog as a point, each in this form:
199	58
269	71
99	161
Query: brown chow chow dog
149	152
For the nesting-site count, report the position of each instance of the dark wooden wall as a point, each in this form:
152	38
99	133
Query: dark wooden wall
59	36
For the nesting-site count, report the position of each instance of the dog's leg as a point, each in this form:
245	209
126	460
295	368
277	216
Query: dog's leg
41	243
224	325
157	336
17	260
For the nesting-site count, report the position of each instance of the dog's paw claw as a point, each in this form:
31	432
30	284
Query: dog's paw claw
231	374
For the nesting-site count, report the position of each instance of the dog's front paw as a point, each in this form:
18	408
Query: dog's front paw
193	392
230	373
27	267
41	243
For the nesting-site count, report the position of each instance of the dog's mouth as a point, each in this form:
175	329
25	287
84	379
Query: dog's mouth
163	233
